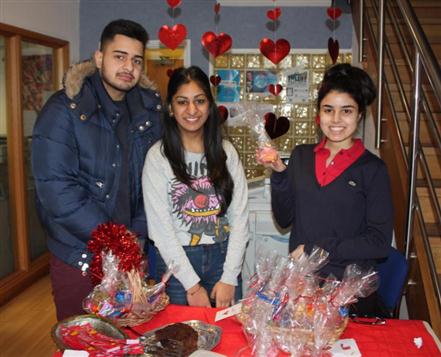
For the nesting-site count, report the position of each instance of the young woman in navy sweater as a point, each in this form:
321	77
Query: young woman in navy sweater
336	194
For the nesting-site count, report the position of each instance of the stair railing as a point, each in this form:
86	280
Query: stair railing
424	63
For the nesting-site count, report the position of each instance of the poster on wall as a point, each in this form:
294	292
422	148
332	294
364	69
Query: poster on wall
258	81
297	85
229	88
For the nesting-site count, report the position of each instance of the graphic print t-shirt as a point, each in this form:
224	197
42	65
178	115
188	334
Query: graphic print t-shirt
196	208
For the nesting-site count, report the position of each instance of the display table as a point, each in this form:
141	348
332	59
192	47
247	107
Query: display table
395	338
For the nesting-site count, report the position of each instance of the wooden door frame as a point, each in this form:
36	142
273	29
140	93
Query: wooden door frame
25	270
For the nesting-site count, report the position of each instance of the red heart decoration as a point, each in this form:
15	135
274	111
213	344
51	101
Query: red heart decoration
223	113
333	48
334	12
274	14
216	44
172	37
274	126
275	89
173	3
215	80
170	72
216	8
275	52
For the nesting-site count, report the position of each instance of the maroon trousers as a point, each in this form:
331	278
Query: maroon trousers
69	288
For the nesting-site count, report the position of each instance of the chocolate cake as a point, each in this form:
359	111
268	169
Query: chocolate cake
180	332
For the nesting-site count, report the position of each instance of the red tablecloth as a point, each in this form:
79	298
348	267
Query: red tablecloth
393	339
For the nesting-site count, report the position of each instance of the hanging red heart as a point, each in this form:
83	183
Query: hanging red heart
275	89
216	44
170	72
274	126
223	113
216	8
274	14
275	52
334	12
173	3
215	80
333	49
172	37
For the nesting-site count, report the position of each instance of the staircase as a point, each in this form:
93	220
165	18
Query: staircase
410	26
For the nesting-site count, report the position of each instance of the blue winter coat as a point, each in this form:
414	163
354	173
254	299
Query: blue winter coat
76	159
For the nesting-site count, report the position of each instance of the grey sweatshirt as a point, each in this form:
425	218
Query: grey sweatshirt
179	216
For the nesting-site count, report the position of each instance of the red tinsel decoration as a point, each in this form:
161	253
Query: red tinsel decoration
118	239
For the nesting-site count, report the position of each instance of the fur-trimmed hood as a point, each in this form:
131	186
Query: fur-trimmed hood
74	78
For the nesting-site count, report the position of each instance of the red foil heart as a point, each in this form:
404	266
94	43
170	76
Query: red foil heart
274	14
172	37
274	126
223	113
170	72
275	89
333	49
334	12
216	44
215	80
217	8
275	52
173	3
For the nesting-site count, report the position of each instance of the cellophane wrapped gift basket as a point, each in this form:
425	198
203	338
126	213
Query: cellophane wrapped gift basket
291	308
121	293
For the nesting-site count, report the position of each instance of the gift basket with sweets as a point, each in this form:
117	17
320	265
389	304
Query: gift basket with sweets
121	293
291	308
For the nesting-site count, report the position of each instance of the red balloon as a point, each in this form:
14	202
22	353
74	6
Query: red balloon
215	80
223	113
334	12
333	49
274	14
216	44
275	89
275	52
274	126
172	37
173	3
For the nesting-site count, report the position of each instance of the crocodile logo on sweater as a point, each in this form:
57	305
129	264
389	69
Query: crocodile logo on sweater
198	208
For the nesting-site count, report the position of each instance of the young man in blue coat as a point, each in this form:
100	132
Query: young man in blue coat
88	150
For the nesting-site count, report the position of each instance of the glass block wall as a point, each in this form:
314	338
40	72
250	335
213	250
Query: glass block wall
301	116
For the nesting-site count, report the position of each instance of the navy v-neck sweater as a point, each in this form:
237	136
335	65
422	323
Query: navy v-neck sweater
351	218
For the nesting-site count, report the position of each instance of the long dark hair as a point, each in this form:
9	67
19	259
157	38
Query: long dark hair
354	81
214	152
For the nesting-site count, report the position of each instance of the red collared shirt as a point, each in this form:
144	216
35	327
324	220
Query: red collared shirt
343	159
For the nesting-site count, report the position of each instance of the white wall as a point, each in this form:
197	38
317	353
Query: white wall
56	18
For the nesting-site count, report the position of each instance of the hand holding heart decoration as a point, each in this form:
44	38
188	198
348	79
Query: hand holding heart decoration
223	113
275	52
215	80
216	44
274	14
172	37
274	126
173	3
333	49
275	89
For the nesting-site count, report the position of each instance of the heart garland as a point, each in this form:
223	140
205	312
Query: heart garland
274	14
334	12
275	52
223	113
216	44
274	126
173	3
333	49
275	89
215	80
172	37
